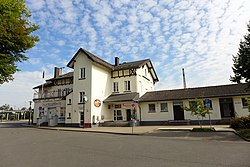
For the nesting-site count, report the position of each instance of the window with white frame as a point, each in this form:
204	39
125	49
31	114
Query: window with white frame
151	108
117	115
164	107
81	96
115	87
82	73
127	85
69	102
244	102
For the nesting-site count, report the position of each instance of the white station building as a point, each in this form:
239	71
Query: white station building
99	93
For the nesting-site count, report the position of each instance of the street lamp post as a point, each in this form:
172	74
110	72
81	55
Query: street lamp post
85	99
30	112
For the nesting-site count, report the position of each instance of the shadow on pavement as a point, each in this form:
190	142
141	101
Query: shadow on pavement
219	136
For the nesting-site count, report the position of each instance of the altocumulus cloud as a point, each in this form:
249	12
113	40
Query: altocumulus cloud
200	36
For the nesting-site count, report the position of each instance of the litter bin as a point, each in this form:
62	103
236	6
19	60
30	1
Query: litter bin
132	123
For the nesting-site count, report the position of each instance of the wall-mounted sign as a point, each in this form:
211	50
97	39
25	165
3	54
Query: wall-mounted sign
53	104
97	103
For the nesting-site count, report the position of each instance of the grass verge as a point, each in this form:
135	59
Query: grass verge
244	133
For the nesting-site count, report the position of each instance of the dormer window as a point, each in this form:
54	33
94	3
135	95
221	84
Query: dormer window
82	73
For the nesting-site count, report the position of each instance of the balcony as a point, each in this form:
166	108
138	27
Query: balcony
52	94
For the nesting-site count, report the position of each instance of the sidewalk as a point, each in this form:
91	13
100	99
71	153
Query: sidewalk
137	130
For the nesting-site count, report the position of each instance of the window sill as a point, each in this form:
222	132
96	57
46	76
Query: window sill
69	104
127	91
164	111
81	78
152	112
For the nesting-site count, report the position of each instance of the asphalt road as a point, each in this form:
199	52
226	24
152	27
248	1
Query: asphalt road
29	147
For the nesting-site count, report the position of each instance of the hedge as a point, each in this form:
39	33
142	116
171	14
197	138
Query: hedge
240	122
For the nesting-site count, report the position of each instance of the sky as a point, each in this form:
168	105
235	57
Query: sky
198	35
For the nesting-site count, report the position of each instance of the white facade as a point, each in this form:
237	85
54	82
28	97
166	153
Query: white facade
98	92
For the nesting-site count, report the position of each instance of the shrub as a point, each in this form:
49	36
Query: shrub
240	123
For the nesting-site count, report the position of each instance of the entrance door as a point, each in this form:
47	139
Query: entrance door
81	119
226	107
128	114
178	111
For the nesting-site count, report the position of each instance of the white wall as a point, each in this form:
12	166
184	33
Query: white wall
238	106
81	85
101	88
144	85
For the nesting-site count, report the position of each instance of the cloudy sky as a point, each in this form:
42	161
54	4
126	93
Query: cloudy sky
198	35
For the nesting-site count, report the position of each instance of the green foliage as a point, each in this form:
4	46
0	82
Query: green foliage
5	107
241	66
244	132
240	122
197	109
15	38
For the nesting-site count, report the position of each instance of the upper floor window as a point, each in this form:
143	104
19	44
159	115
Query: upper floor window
82	73
81	97
69	102
146	72
151	107
127	85
164	107
115	87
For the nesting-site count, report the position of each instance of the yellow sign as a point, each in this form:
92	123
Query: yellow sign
97	103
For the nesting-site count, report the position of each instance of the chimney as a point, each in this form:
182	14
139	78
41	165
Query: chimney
184	79
57	72
116	61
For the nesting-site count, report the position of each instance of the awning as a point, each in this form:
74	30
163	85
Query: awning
122	97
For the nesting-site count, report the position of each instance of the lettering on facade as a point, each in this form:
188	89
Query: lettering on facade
53	104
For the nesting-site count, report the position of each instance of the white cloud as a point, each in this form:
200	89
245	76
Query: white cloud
18	92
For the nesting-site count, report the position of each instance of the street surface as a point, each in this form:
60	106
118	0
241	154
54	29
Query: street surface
31	147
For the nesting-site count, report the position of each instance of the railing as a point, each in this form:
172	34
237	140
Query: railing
52	94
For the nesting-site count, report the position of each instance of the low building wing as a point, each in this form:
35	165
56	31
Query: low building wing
192	93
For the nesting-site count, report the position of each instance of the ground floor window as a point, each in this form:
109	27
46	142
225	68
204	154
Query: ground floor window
117	115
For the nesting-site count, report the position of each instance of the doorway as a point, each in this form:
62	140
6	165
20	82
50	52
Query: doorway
226	108
178	111
128	111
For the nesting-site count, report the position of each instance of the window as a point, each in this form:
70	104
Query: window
117	115
82	73
145	72
151	108
69	102
127	85
244	102
164	107
115	87
81	96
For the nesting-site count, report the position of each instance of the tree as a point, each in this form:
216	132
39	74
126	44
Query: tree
15	36
5	107
241	62
198	109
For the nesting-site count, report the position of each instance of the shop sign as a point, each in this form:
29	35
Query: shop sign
97	103
53	104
